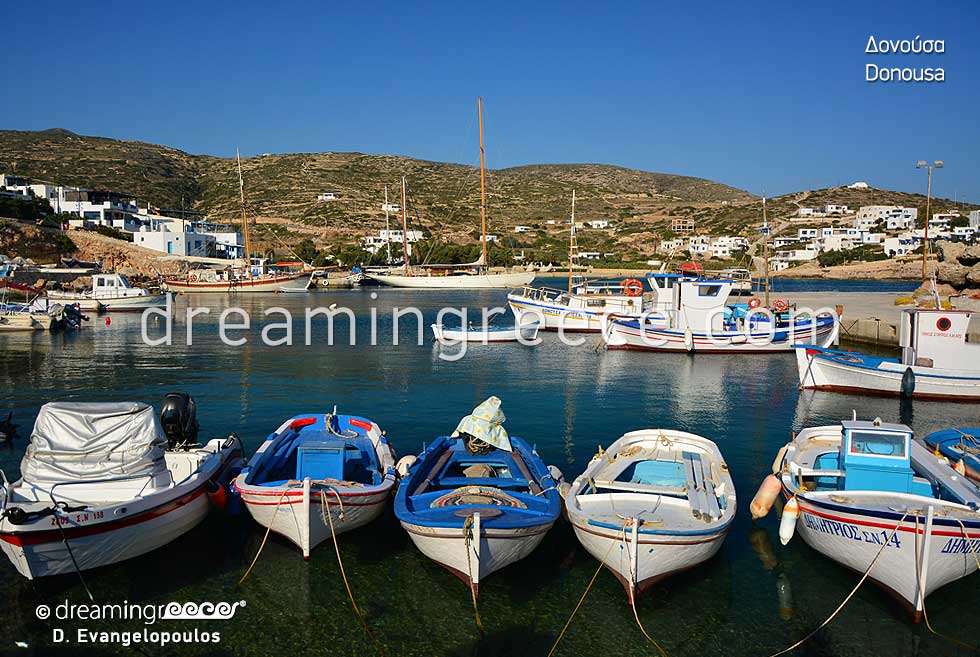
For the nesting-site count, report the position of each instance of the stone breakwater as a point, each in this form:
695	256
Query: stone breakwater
959	267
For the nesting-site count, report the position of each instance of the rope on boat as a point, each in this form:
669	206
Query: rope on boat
467	537
918	579
632	589
266	537
849	595
602	562
64	539
325	511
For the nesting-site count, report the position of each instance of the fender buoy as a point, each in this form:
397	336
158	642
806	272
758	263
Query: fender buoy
780	305
632	287
908	383
108	321
787	524
217	495
689	339
755	302
764	498
192	278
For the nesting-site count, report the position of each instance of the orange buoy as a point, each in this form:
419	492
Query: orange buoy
780	305
764	498
217	495
755	302
632	287
108	320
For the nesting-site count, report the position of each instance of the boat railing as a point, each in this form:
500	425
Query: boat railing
149	477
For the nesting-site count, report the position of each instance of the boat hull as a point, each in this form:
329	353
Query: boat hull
25	322
853	539
630	335
461	282
116	304
835	374
525	333
498	548
254	285
300	516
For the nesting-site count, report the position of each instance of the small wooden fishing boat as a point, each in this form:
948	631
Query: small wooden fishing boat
485	334
318	475
478	500
655	503
868	496
960	446
937	362
102	483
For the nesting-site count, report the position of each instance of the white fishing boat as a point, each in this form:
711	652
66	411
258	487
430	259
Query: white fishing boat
471	276
868	496
655	503
110	292
585	306
318	476
485	334
478	500
937	362
690	314
102	483
16	316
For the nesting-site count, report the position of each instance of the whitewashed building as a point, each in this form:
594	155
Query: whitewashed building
328	196
835	209
974	218
373	243
522	229
179	243
597	223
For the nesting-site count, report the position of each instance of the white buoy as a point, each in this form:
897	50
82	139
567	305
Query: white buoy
787	524
689	339
405	464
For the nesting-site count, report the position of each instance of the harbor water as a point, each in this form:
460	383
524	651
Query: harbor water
755	598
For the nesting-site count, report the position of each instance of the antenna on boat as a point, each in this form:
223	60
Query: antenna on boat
241	187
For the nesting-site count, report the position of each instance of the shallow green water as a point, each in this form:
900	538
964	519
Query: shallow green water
754	598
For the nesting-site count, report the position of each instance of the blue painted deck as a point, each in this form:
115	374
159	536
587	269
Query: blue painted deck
956	444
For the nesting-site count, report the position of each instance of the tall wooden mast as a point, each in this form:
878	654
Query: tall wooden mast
765	247
241	188
483	187
572	245
404	229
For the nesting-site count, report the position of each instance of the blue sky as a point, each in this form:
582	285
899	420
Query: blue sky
757	95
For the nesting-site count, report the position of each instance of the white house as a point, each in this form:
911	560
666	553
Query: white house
492	239
835	209
669	246
597	223
391	207
372	244
181	243
804	234
589	255
896	217
328	196
859	185
808	212
522	229
942	220
975	218
796	255
965	233
899	246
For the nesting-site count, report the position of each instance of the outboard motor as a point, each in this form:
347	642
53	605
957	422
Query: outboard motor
178	415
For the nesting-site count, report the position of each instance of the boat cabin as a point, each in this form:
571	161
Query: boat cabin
937	338
701	299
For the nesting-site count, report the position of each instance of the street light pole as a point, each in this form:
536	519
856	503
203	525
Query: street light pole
921	164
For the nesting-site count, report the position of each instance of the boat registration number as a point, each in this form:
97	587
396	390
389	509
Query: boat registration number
79	518
852	532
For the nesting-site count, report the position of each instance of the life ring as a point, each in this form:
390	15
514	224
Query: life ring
632	287
192	278
780	305
755	302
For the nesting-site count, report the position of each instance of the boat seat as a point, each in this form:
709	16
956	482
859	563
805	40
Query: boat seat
320	459
492	482
635	487
700	489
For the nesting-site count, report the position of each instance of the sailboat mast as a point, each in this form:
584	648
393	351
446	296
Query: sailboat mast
765	247
241	187
387	227
572	245
483	187
404	228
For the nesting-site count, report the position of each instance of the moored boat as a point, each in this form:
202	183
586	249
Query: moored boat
110	292
105	482
936	362
960	446
318	475
868	496
486	334
478	500
656	502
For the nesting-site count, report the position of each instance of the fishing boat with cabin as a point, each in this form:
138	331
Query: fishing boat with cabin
110	292
478	500
690	314
105	482
657	502
868	496
936	362
470	276
317	476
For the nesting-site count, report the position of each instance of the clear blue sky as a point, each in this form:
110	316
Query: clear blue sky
757	95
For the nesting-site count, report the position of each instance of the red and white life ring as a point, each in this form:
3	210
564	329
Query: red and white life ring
632	287
780	305
755	302
192	278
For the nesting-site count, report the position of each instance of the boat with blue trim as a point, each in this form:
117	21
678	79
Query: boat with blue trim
318	475
936	362
871	498
691	314
961	446
478	500
657	502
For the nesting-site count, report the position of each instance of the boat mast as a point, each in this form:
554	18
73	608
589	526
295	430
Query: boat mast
404	228
483	188
572	245
387	227
241	187
765	247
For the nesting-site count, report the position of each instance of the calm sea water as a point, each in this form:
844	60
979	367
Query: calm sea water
754	598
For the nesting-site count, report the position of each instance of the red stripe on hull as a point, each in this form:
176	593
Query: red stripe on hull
872	392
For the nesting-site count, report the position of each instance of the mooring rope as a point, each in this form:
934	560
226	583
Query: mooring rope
849	595
266	537
467	534
74	563
918	579
326	504
602	562
632	590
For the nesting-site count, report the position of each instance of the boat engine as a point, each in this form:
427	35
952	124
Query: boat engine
178	415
